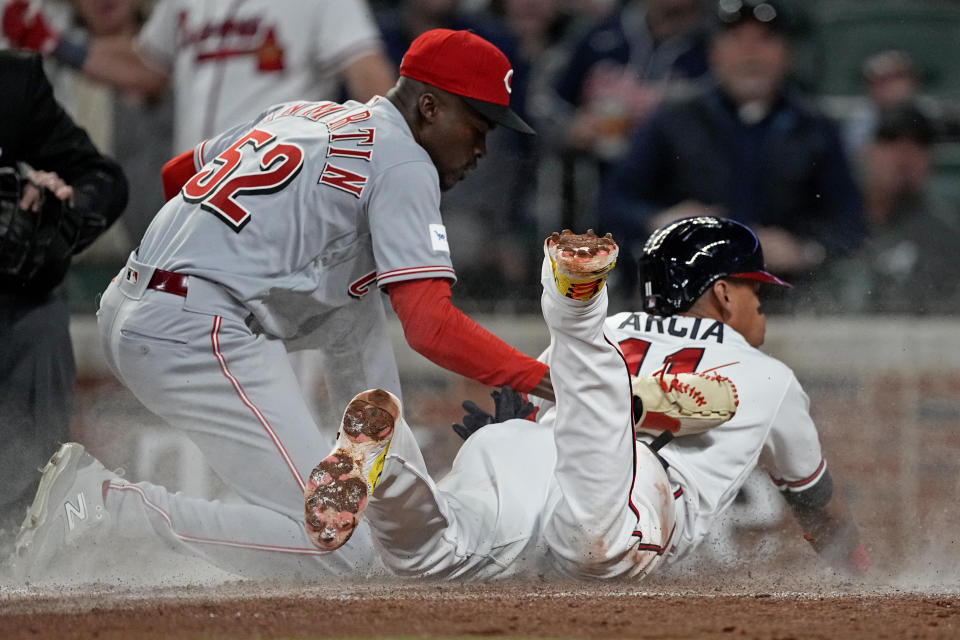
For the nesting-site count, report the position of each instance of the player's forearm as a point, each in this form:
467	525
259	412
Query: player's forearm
114	61
368	76
830	528
464	347
443	334
544	388
830	531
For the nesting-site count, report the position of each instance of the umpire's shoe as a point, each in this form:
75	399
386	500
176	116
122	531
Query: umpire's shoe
68	505
340	486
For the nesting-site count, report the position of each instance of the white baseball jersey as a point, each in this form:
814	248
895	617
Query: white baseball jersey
576	492
304	211
772	425
230	59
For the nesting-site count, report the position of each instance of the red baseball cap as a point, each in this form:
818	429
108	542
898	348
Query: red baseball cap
463	63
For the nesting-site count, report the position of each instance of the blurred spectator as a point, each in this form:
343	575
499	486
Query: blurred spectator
58	194
889	77
747	148
227	60
133	128
620	69
409	18
538	26
908	263
490	223
589	10
543	29
534	24
530	21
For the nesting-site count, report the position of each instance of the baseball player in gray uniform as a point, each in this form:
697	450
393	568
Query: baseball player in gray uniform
281	236
582	491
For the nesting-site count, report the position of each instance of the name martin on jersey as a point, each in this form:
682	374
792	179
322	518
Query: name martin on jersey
347	144
678	326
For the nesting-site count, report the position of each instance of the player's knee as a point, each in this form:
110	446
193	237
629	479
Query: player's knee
623	560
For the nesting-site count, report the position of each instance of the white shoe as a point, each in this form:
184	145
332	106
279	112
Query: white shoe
67	507
340	486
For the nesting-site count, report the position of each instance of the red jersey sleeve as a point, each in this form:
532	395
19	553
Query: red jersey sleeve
443	334
176	172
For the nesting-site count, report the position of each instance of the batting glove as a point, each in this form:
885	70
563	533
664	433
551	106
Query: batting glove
507	404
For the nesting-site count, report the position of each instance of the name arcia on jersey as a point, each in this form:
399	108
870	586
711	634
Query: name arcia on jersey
678	326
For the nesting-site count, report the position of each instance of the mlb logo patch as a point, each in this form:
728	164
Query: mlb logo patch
438	238
131	276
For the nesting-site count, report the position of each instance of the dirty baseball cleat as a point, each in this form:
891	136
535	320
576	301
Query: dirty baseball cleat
580	262
67	507
340	486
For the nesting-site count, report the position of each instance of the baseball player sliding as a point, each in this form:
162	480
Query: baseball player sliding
282	233
580	491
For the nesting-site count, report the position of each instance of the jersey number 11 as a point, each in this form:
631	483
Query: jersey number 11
682	361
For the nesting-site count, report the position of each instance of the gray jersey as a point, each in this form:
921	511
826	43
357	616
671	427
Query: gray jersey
296	218
306	209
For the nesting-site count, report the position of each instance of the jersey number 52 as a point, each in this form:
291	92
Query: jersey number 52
216	188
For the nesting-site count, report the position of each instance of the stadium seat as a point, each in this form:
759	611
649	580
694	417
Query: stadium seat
846	32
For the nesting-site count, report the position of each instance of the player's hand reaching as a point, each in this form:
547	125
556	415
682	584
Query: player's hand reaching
40	182
507	404
474	419
858	562
853	564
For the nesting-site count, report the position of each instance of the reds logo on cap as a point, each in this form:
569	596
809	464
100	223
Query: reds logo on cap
463	63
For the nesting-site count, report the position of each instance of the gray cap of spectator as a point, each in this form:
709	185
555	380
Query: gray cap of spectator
905	121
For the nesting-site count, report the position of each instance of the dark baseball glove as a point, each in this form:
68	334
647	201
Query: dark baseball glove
507	404
17	227
31	239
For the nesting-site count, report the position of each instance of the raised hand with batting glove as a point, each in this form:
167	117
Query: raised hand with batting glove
507	404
